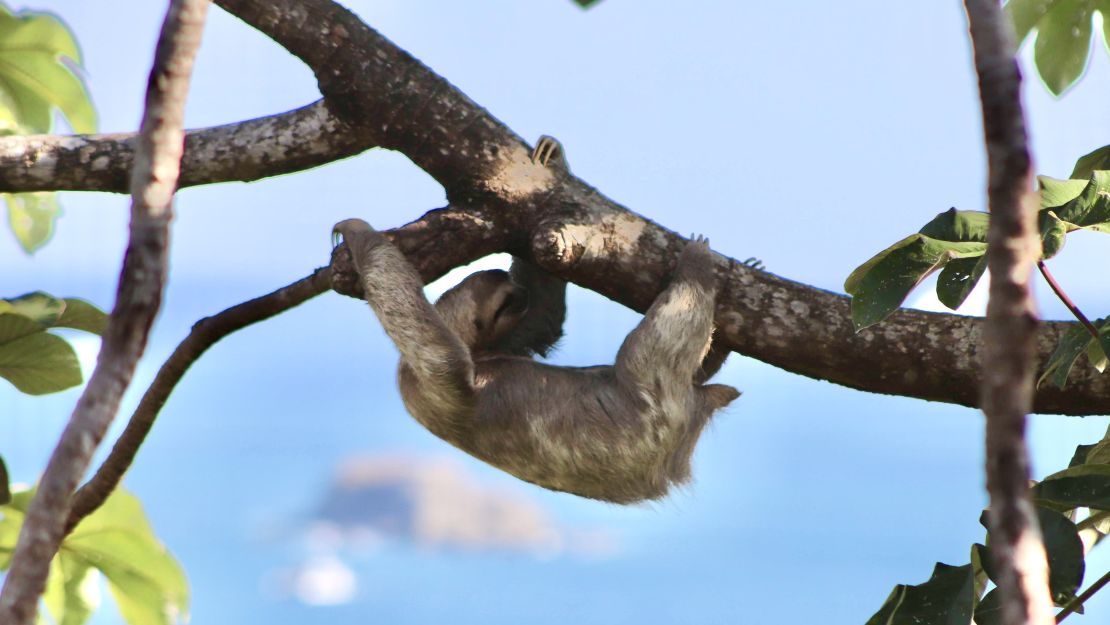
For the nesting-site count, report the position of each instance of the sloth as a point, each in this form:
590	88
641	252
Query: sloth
621	433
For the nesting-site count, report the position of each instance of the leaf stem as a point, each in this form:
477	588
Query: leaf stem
1078	602
1094	519
1059	291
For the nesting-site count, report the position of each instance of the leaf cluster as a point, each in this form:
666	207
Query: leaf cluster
955	243
1062	43
34	360
117	543
955	594
40	67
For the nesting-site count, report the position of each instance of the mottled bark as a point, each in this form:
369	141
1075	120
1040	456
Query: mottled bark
390	99
1009	334
242	152
153	181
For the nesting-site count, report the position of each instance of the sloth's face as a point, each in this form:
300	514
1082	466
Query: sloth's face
484	308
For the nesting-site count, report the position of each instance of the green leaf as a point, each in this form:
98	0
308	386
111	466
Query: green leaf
887	613
39	363
1065	554
31	217
1063	548
958	278
1075	341
120	511
5	484
947	598
38	31
881	284
145	580
982	552
34	75
1084	485
38	306
38	59
11	520
979	556
1056	192
1063	44
72	590
48	311
81	315
1099	453
116	540
15	326
1080	455
1054	233
1024	14
1103	7
1091	208
989	610
585	4
1096	351
954	225
1100	158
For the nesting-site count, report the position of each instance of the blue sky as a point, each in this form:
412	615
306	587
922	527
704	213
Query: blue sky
808	134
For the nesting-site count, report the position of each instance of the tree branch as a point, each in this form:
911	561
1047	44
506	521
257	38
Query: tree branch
382	91
1084	597
391	100
403	105
137	301
205	333
1009	335
244	151
210	330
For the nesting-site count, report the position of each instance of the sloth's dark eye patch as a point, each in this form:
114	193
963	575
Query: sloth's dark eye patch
515	302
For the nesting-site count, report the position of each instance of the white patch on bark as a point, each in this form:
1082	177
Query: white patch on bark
585	241
515	176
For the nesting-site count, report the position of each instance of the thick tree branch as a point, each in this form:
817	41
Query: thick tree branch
1009	335
391	100
244	151
140	294
383	91
585	237
205	333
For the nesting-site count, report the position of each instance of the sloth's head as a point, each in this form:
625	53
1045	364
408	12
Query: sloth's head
484	308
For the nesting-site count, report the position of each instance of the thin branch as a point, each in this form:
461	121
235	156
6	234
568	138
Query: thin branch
244	151
1093	520
1078	602
1059	291
205	334
412	238
1009	337
137	301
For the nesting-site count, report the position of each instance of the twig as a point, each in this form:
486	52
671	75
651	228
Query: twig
1093	520
1078	602
204	334
1009	335
138	298
1059	291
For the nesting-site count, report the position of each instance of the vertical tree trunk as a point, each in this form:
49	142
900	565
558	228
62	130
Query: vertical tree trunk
1010	332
